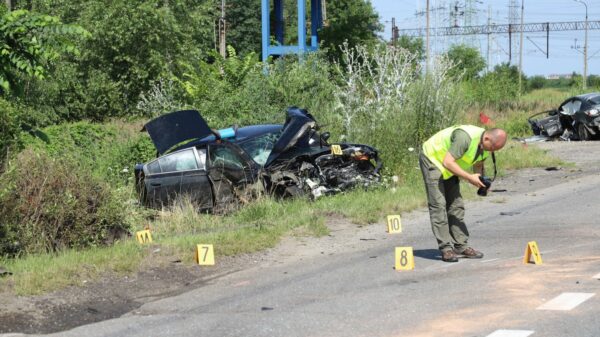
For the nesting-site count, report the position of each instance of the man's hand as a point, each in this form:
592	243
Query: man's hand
474	180
452	166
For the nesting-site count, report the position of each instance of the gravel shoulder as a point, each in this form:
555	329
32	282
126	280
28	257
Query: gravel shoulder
114	296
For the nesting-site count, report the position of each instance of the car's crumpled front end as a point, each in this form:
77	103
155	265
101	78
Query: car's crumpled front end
325	174
303	163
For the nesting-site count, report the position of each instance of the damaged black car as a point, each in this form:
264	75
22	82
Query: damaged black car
217	168
577	118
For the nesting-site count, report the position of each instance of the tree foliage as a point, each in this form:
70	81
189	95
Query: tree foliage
469	62
28	42
133	45
353	21
414	45
244	26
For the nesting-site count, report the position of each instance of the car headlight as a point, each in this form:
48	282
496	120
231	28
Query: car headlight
592	112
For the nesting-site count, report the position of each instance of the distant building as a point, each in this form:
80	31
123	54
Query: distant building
558	76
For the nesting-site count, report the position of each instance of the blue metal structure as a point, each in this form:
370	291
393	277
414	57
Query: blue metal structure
281	49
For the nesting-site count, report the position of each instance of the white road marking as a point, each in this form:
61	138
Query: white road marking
490	260
510	333
566	301
597	276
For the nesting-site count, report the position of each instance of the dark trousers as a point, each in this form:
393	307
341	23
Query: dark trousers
446	207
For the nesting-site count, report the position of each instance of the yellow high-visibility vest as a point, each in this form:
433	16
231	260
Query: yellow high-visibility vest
436	147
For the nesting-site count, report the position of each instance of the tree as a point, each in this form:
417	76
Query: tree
594	81
536	82
414	45
467	60
244	25
28	42
134	44
354	21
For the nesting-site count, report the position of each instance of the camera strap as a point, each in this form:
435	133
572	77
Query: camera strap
493	158
494	161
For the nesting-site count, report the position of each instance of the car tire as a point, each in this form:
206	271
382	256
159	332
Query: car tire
583	132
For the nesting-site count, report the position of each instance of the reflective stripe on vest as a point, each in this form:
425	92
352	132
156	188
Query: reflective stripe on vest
436	147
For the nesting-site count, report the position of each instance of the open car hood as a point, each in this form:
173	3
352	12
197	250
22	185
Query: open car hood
295	132
175	128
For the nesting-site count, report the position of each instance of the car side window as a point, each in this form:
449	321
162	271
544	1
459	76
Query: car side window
153	167
222	156
179	161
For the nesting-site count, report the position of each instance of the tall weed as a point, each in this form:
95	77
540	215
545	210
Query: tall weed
385	101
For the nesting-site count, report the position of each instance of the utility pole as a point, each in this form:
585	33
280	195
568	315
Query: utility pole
513	21
585	46
521	48
427	38
222	31
488	37
394	31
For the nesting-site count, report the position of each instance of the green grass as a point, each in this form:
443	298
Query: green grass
38	274
517	155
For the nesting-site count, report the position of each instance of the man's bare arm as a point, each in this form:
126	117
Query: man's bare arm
450	163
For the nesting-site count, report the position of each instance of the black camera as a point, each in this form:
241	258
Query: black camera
482	191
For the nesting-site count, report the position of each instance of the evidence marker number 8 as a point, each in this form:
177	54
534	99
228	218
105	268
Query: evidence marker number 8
404	258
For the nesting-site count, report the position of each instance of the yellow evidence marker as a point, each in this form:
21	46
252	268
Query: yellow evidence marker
404	258
144	236
532	249
336	150
205	255
394	225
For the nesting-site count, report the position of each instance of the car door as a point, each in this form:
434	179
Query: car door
229	168
176	174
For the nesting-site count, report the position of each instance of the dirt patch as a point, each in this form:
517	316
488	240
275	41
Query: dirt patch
106	298
113	296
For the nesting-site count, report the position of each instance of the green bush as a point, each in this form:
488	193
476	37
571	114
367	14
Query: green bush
241	90
536	82
108	151
49	204
9	130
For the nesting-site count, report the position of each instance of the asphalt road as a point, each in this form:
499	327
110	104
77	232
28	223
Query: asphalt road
321	287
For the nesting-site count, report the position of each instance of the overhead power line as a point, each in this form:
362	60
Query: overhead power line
502	29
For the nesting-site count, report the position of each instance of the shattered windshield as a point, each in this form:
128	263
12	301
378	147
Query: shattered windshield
595	100
260	148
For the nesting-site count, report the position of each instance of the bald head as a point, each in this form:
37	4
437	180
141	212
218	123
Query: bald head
494	139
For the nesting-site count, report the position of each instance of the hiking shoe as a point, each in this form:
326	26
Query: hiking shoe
449	255
469	253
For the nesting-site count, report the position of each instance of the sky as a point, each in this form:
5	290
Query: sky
563	58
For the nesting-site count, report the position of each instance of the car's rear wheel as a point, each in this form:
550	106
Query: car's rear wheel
583	132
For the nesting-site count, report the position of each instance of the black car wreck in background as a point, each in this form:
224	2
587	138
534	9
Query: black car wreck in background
216	168
577	118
